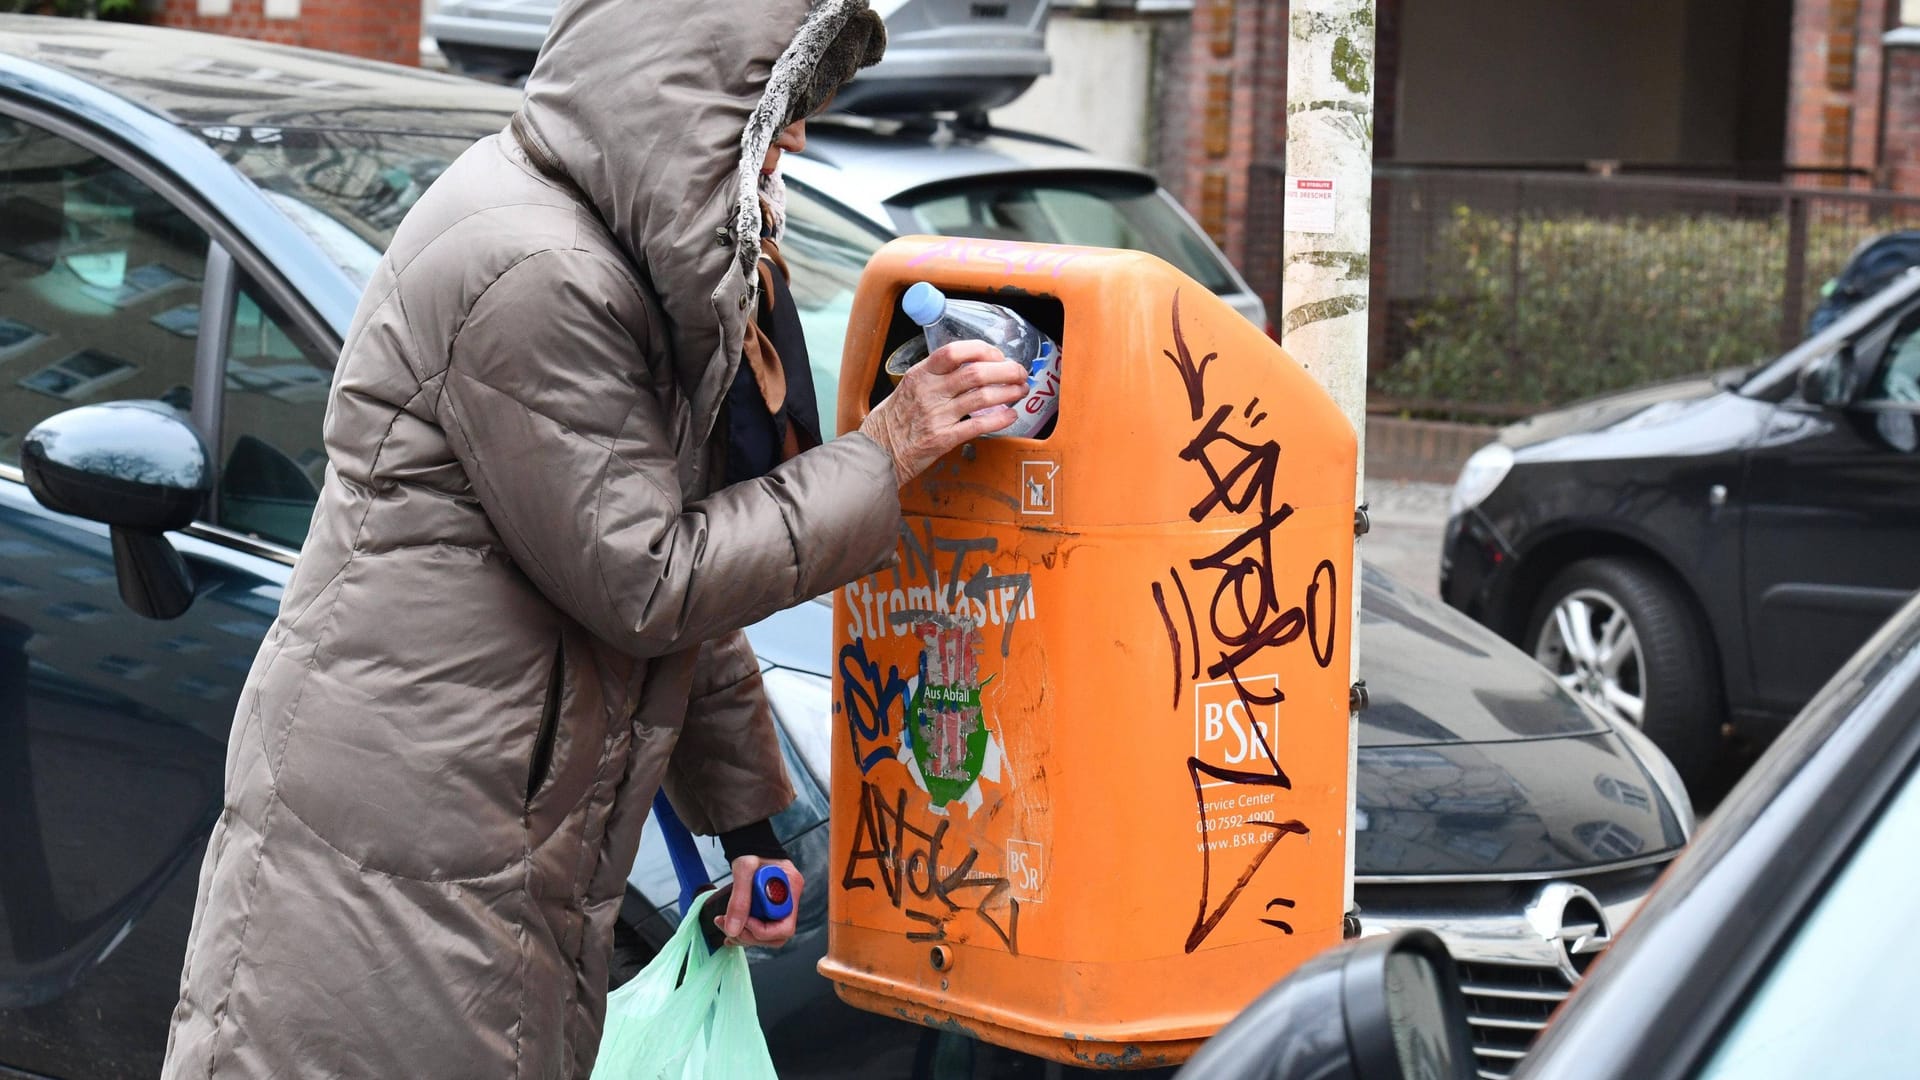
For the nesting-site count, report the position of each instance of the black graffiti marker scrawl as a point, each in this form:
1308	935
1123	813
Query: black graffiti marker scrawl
1244	617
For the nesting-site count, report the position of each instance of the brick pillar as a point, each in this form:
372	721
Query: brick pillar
1236	82
376	29
1901	167
1833	102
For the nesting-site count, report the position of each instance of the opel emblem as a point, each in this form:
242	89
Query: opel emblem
1572	920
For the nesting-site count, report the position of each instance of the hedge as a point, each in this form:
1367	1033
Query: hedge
1603	304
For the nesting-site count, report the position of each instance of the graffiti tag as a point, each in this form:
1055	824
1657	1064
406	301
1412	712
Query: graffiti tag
1244	616
910	865
1008	258
871	700
922	592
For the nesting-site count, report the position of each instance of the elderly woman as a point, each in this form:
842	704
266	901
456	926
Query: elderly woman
552	502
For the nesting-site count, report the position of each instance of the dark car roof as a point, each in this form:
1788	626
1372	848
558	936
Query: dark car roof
198	79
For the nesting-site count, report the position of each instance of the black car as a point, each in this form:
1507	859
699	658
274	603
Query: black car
1707	551
189	220
1760	954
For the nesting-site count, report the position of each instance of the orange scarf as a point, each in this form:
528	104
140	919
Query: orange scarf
761	357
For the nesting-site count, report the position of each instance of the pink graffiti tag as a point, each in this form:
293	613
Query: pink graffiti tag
1010	258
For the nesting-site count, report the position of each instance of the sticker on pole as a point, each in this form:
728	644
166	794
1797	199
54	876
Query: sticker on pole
1309	205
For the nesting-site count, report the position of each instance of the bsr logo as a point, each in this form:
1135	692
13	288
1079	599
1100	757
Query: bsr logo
1229	727
1226	731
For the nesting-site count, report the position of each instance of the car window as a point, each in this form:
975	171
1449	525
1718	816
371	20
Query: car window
1897	375
272	459
347	190
826	248
97	272
1111	211
1838	1001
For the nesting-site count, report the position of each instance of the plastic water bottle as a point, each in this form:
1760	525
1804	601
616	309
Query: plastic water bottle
946	321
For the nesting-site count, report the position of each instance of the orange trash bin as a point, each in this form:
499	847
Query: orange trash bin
1091	731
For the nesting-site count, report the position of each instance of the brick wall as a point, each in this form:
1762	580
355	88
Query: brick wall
1233	83
376	29
1901	169
1833	97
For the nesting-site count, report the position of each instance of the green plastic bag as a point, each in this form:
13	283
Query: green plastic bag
661	1026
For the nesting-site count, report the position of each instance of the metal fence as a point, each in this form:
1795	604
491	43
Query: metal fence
1496	294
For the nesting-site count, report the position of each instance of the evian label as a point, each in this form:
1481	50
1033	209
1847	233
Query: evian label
1031	413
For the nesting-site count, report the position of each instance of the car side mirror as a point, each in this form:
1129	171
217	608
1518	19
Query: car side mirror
138	467
1829	380
1380	1008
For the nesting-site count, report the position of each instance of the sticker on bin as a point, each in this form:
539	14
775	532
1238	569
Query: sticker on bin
1036	486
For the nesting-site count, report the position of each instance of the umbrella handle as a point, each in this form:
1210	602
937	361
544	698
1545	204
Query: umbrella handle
688	867
772	889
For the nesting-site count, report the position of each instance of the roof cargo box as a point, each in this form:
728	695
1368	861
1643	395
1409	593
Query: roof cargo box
964	56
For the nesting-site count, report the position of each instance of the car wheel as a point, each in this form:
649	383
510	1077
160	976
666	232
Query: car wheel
1620	635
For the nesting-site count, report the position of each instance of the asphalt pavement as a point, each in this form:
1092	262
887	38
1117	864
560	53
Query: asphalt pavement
1408	519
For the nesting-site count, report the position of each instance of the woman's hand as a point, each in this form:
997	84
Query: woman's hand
928	413
738	924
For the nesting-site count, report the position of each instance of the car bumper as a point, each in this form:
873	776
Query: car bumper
1511	941
1476	562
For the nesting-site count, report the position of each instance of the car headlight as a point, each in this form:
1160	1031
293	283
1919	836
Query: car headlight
1479	477
1665	776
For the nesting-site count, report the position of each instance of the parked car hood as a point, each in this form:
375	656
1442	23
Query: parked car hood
1477	809
1595	414
1473	761
1435	676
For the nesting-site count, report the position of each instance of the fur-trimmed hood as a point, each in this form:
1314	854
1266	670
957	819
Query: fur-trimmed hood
660	112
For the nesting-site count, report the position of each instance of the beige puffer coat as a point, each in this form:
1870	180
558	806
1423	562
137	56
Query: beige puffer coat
517	614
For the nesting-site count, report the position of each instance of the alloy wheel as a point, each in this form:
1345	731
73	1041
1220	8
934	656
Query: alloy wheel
1590	645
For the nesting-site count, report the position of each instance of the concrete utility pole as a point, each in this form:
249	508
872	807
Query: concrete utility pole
1329	232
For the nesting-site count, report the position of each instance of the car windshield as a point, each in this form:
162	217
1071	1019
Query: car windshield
1838	997
1097	211
347	190
825	249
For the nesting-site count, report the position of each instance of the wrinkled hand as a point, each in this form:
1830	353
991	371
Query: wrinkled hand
928	413
741	928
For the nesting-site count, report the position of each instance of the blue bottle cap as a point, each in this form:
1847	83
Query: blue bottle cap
772	894
924	304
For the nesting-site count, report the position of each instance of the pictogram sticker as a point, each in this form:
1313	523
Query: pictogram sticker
1036	487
